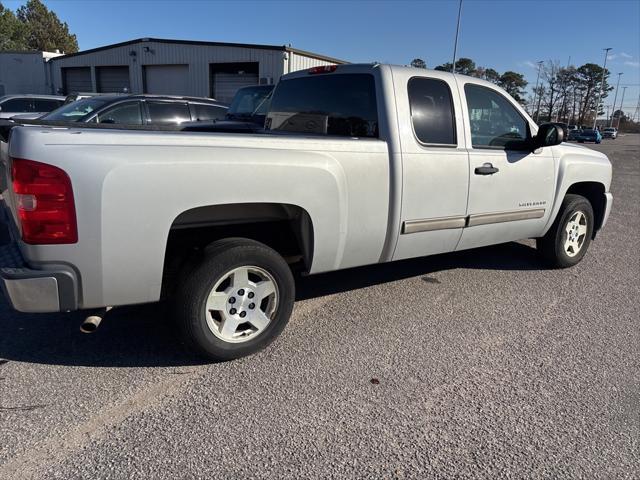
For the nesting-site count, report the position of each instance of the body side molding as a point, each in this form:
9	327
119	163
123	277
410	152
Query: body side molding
427	225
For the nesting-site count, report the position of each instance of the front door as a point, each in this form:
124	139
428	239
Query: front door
510	188
435	169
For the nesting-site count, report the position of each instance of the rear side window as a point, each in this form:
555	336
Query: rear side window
332	104
45	105
432	111
207	112
18	105
165	113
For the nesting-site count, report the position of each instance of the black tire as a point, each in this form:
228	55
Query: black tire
191	296
551	246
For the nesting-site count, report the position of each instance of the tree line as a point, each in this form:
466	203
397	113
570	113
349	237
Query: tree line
563	94
34	27
513	82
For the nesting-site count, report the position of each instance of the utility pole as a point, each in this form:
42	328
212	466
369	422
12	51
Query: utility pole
535	90
604	69
615	99
565	105
455	43
621	104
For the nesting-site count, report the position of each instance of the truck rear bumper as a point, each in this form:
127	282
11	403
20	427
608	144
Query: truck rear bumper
30	290
35	291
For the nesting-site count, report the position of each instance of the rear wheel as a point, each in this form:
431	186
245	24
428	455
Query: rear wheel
236	301
568	239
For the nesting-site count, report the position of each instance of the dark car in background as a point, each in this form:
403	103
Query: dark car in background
589	135
251	104
121	109
573	134
246	113
28	105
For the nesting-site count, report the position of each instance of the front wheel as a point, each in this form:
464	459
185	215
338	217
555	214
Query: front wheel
568	239
236	301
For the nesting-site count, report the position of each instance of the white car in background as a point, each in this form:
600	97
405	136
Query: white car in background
610	132
32	105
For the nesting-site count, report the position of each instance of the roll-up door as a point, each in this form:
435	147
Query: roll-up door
166	79
77	79
227	78
113	79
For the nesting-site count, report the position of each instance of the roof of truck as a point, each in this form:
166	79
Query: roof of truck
364	67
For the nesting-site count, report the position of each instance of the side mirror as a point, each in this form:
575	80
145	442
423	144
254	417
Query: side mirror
549	134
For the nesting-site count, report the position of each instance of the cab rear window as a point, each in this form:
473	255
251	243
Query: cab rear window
333	104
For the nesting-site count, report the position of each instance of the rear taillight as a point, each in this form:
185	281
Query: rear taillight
44	203
323	69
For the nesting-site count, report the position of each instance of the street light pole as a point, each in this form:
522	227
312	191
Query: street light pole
535	90
455	43
615	99
624	89
604	69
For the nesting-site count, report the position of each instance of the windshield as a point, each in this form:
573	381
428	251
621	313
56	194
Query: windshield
609	129
588	132
251	101
72	112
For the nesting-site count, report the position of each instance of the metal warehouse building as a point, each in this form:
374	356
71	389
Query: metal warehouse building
178	67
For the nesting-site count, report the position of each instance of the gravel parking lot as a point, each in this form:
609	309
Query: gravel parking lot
479	363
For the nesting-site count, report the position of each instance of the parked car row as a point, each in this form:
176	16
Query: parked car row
591	135
139	110
246	113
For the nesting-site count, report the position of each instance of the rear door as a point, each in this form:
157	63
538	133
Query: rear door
510	187
203	112
167	113
435	168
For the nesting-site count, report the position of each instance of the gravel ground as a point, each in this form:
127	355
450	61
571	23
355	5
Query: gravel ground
474	364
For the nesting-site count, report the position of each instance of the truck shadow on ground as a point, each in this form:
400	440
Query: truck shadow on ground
145	336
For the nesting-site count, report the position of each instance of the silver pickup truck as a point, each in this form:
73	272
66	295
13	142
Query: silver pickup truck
359	164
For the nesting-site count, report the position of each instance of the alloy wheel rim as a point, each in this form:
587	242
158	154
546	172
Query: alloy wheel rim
241	304
576	233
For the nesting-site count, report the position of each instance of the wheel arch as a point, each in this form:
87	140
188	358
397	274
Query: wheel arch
286	228
595	193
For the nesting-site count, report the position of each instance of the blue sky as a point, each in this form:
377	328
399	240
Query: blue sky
502	34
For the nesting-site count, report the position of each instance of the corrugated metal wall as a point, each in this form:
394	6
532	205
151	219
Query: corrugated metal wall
156	53
273	63
23	73
301	62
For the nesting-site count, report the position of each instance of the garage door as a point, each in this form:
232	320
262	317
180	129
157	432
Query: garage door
77	79
166	79
227	84
227	78
113	79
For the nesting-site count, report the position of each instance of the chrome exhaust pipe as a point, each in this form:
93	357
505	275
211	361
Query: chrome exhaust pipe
92	322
